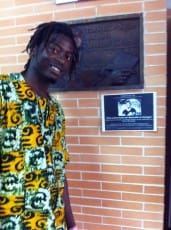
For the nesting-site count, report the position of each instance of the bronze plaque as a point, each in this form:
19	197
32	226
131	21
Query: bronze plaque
111	55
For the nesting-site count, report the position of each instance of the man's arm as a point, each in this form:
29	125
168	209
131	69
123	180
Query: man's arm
68	210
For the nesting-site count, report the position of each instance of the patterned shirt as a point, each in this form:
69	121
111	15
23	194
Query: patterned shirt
33	155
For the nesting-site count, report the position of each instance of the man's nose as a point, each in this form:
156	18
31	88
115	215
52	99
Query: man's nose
62	56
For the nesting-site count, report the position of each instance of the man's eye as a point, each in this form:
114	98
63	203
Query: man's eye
69	57
54	49
57	50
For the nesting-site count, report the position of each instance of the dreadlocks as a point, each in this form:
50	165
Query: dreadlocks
42	34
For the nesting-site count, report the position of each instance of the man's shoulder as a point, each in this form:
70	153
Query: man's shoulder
10	76
5	77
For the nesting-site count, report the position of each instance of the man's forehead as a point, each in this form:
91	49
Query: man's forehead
56	37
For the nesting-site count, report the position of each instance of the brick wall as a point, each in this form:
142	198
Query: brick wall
116	179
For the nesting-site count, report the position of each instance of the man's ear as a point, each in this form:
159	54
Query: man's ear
77	38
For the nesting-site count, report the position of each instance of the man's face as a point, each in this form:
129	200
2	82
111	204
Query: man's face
53	60
128	104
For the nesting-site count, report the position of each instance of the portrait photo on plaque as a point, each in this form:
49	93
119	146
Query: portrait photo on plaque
110	54
129	112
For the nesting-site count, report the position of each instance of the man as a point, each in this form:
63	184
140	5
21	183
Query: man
129	110
33	152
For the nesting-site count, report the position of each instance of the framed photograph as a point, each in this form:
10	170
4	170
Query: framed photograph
110	54
129	112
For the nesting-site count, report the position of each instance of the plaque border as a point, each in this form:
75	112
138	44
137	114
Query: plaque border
140	84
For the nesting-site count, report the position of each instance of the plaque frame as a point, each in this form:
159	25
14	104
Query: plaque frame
111	54
133	112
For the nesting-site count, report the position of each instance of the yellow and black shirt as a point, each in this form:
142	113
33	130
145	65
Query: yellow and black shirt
33	155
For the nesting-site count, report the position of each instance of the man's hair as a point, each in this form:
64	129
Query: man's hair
42	34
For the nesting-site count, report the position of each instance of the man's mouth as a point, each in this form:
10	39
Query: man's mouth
56	69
